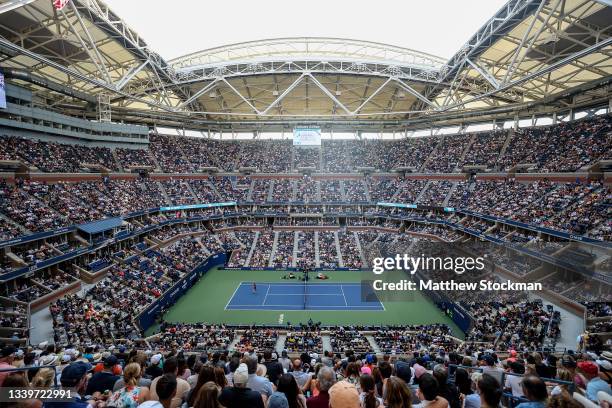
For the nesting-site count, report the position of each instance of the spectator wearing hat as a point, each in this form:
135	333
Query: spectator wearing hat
326	378
7	355
240	395
74	376
343	394
569	363
104	380
594	382
182	386
155	370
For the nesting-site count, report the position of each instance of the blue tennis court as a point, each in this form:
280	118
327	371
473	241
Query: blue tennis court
298	296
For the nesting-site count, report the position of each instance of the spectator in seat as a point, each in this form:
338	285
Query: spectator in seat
464	383
131	394
301	377
6	359
257	383
343	394
273	367
326	377
165	389
239	395
428	392
491	369
208	396
182	386
594	382
278	400
154	370
368	396
74	376
288	386
398	394
104	380
19	380
490	392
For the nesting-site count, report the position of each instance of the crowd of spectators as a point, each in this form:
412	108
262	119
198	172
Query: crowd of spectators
122	375
578	143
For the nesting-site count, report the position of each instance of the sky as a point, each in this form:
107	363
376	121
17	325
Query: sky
438	27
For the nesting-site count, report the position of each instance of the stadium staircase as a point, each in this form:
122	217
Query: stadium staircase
164	192
280	342
273	252
195	196
366	188
343	191
338	251
506	144
465	151
318	191
214	190
432	153
116	159
293	190
423	190
253	245
316	249
373	343
398	190
450	193
155	162
270	191
250	192
296	246
358	244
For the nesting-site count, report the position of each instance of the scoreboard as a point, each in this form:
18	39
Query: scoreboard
307	136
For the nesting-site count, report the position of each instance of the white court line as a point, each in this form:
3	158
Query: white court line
310	294
345	302
297	308
266	296
242	307
233	294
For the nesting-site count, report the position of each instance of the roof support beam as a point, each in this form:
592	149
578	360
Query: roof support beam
328	93
545	70
414	93
285	93
199	93
131	73
14	4
241	96
365	102
99	61
484	73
